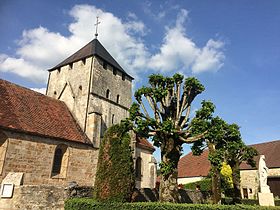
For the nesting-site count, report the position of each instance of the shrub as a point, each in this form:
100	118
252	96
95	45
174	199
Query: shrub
205	185
115	172
89	204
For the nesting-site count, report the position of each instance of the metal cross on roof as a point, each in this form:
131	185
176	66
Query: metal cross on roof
96	26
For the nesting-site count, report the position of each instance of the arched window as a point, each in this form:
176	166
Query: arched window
118	99
60	161
108	93
138	168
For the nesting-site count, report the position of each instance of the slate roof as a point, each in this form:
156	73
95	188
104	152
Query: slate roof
144	144
94	47
27	111
192	166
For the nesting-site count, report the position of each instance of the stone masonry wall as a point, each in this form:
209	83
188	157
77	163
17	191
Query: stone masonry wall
71	85
148	179
35	197
250	181
34	157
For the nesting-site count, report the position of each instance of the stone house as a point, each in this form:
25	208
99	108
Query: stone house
53	139
194	168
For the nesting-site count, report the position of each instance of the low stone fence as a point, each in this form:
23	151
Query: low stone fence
28	197
52	197
186	196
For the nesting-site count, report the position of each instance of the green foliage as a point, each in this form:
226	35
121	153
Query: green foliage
90	204
115	172
205	185
166	168
162	112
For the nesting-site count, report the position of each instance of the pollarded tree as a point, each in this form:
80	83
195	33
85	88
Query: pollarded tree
162	111
214	140
236	153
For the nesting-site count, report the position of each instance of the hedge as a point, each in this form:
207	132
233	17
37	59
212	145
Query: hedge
115	171
205	185
228	201
89	204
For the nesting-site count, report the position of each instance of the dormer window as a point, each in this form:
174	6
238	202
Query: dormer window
105	65
114	71
70	65
108	93
123	77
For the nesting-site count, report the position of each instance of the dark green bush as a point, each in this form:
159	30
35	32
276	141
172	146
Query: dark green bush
205	185
253	202
89	204
115	172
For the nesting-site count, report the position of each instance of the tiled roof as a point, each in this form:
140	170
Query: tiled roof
92	48
24	110
190	165
145	144
271	151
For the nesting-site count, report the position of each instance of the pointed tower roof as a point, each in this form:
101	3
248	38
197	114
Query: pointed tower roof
92	48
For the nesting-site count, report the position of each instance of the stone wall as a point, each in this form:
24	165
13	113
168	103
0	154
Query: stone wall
71	85
148	168
186	196
34	157
35	197
250	181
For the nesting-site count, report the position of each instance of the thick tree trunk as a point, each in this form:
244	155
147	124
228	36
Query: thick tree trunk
169	188
236	183
170	155
216	178
216	185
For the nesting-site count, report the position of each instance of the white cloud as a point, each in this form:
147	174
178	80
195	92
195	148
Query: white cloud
39	90
178	51
210	58
40	49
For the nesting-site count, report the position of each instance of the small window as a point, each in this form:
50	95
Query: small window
84	61
71	66
123	77
114	71
108	93
118	99
113	118
60	161
105	65
54	93
58	70
80	87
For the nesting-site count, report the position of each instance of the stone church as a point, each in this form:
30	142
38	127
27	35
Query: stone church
53	139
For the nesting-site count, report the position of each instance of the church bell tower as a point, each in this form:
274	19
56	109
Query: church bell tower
95	88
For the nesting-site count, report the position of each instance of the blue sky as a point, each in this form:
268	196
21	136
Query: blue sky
232	47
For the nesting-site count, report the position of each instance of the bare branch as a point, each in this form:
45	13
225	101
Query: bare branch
178	103
187	116
145	110
193	138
